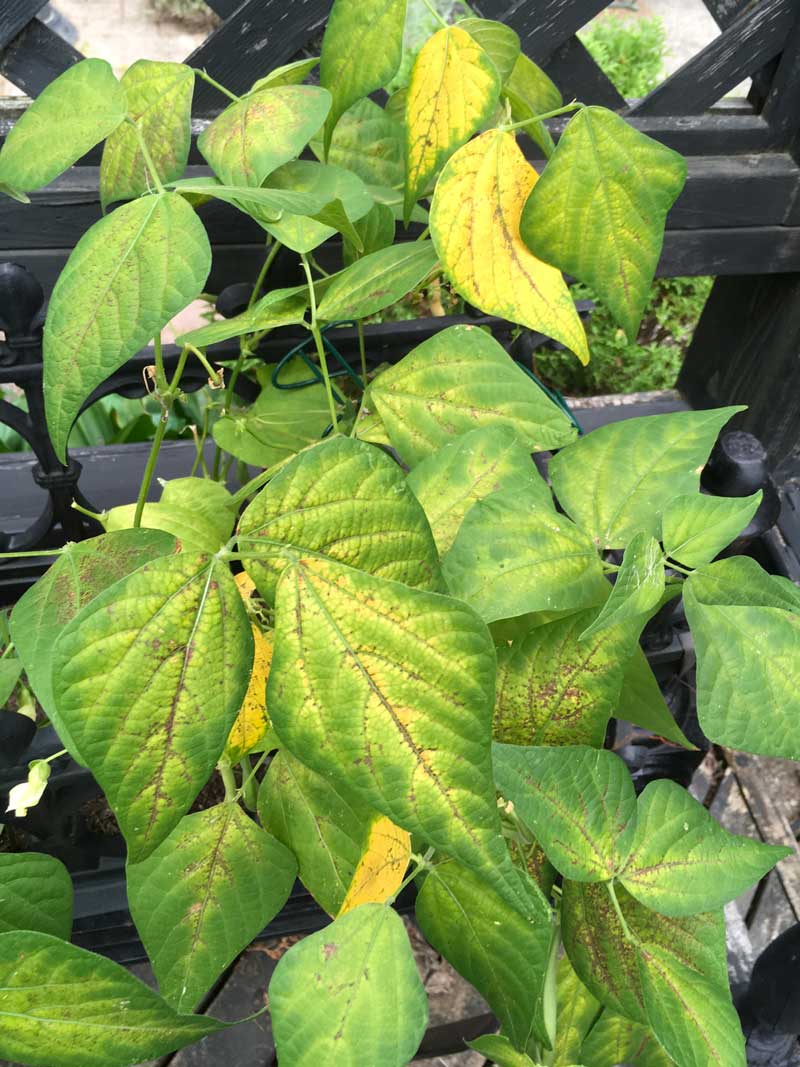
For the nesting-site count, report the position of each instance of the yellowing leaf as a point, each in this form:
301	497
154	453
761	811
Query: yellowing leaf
252	722
453	92
475	218
382	865
246	585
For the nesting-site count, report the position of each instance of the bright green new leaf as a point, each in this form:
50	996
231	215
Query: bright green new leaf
554	689
289	74
370	143
368	1003
202	896
530	92
606	960
696	527
82	571
10	670
692	1018
638	588
374	231
262	131
615	1039
340	485
453	91
500	1051
511	557
159	97
642	702
577	1011
71	115
459	380
62	1006
198	512
617	481
683	862
748	657
361	51
499	42
475	219
502	953
281	307
598	211
389	691
125	279
376	281
578	801
149	678
322	824
36	894
279	423
470	468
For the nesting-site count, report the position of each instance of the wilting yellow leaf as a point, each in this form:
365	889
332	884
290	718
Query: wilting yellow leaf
382	865
246	585
475	227
453	91
252	722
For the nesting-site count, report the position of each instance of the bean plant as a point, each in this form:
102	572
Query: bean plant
398	643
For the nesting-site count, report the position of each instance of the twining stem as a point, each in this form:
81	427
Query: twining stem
575	105
148	159
228	779
317	335
212	81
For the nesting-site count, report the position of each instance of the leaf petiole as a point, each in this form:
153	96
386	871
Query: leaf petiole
148	159
212	81
626	930
575	105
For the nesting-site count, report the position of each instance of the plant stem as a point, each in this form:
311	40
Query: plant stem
228	779
85	511
625	928
149	470
419	863
246	782
255	484
249	784
34	552
574	106
315	333
148	159
424	233
213	375
212	81
362	351
677	567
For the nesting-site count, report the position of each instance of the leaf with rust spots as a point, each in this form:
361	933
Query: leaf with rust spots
151	721
36	895
364	1002
375	281
615	1039
345	500
203	895
577	1010
81	572
475	218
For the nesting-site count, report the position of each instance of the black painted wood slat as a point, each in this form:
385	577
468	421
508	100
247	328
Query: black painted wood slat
260	35
782	106
754	38
724	12
224	8
543	25
35	57
579	77
15	15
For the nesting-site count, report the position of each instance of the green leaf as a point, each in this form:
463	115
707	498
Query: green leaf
470	468
262	131
498	41
197	511
10	670
606	961
618	480
577	1011
693	1019
71	115
453	92
376	281
125	279
748	658
368	1003
310	504
62	1006
642	702
615	1039
638	588
320	822
289	74
374	231
268	204
579	803
202	896
368	142
511	557
159	97
554	689
500	1051
389	691
82	571
683	862
599	209
328	184
281	307
502	953
530	92
459	380
163	660
696	527
279	423
361	51
36	895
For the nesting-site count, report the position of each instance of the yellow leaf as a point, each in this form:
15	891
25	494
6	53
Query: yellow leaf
252	722
246	585
453	91
382	866
475	227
